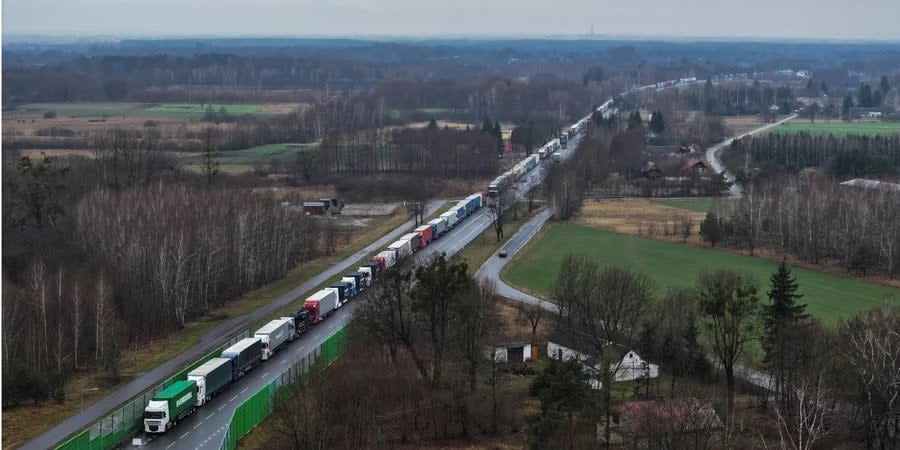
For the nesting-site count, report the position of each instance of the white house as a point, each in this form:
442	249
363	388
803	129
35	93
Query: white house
513	352
628	365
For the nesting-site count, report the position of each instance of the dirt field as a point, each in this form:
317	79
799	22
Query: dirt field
742	124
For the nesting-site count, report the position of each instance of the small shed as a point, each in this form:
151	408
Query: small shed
512	352
316	208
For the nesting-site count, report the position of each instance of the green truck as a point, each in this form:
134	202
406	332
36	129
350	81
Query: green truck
169	406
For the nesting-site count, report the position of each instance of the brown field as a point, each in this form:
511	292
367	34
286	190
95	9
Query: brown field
28	124
742	124
62	153
627	216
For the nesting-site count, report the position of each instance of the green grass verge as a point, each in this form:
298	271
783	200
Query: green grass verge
672	265
838	128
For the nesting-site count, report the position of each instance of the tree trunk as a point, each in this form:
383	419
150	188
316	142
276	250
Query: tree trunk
729	388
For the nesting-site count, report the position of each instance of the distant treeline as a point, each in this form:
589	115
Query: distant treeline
739	99
841	156
428	152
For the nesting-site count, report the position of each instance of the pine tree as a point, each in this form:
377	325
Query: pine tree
710	229
782	319
848	103
657	123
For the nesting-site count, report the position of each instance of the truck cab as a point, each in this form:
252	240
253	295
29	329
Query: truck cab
156	417
174	403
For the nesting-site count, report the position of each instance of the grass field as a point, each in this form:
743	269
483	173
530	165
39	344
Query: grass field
238	161
673	265
181	111
837	127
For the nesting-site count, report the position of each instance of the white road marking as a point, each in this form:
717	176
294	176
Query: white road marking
283	361
210	415
184	435
233	398
198	424
220	408
244	390
169	446
260	377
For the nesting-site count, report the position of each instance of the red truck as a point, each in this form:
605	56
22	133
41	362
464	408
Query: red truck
426	233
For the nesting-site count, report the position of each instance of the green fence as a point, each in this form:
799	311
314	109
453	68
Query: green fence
124	421
259	406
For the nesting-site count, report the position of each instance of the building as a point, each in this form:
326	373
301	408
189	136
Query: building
512	352
650	171
626	363
869	113
694	167
861	183
657	424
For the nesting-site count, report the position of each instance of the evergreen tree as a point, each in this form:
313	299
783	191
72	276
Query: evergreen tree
782	319
824	88
657	124
848	103
711	229
210	155
562	388
865	96
487	126
884	85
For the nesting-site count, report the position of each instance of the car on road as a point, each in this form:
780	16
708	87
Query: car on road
502	254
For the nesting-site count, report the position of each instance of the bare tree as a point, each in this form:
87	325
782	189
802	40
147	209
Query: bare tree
530	315
811	407
475	316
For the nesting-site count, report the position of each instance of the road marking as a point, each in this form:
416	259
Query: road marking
245	389
330	326
169	446
234	398
284	360
260	377
301	348
210	415
220	408
184	435
198	424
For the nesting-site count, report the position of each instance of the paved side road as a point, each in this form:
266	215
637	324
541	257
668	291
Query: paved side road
490	270
205	428
717	166
207	342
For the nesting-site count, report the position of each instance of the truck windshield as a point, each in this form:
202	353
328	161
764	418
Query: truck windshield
154	415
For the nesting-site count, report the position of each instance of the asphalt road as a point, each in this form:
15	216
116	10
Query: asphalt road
207	342
205	428
713	158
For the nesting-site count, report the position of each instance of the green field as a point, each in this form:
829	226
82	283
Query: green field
837	128
184	111
196	110
673	265
238	161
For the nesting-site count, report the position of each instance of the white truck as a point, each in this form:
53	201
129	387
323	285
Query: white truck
450	217
386	258
401	249
322	303
274	335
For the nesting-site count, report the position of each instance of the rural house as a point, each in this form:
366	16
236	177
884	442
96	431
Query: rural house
627	364
656	423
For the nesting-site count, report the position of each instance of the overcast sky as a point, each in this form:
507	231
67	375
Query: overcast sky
810	19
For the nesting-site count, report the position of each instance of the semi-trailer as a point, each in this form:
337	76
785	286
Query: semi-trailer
385	259
302	322
244	355
401	249
354	285
321	304
450	218
211	378
169	406
415	241
274	335
343	290
438	226
460	212
368	274
377	270
426	234
361	280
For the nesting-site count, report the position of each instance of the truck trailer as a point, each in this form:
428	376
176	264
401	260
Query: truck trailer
321	304
385	259
244	355
362	281
343	290
302	322
401	249
169	406
450	218
274	335
426	233
211	377
354	285
438	226
415	241
368	273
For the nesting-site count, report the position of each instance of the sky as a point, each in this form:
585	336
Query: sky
758	19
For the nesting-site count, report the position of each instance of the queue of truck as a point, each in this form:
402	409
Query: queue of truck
183	397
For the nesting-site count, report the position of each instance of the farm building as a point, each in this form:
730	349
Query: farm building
315	208
652	423
860	183
859	112
628	365
512	352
